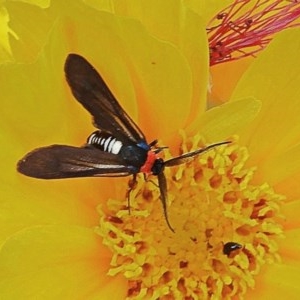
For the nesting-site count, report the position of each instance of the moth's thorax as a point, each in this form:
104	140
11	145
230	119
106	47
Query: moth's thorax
153	164
139	155
134	155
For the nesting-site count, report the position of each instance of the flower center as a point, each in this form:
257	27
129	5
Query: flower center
225	229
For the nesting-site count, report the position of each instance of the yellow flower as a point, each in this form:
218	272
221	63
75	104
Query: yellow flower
74	239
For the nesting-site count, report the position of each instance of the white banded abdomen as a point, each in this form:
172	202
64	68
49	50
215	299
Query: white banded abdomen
105	142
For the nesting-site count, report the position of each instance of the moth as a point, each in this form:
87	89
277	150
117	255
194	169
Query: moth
117	148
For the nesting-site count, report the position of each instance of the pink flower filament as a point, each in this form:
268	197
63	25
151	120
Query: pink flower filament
242	29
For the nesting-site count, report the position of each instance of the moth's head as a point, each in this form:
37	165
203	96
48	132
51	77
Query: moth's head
158	166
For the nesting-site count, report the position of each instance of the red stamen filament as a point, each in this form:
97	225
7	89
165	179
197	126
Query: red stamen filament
243	29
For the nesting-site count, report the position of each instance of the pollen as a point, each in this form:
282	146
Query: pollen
246	27
226	228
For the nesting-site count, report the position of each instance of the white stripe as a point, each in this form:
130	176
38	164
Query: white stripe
116	147
111	145
90	140
106	144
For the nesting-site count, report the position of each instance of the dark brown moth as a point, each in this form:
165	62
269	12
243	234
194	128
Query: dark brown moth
117	148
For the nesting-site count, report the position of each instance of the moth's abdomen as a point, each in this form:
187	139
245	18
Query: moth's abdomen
105	142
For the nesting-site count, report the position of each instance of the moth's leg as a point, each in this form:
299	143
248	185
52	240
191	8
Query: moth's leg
149	180
131	186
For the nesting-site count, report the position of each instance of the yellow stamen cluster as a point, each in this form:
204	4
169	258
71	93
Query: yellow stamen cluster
211	202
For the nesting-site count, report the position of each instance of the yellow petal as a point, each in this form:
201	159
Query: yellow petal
290	246
29	28
103	5
39	3
287	166
55	262
274	79
5	49
281	279
172	22
31	203
221	122
223	85
208	8
34	101
291	219
276	281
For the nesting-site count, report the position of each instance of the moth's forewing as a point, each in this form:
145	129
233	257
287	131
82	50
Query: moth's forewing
59	161
91	91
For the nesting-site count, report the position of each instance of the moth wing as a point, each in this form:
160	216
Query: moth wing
91	91
60	161
162	183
